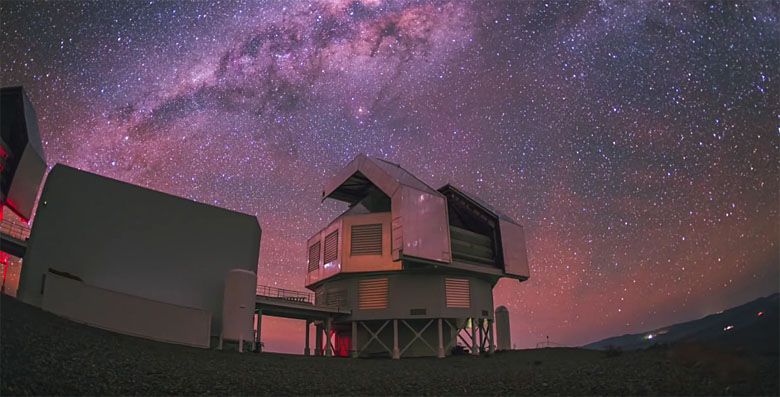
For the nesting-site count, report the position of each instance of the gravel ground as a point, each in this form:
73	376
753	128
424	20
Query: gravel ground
44	354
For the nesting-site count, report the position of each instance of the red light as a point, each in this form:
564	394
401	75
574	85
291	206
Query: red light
760	314
341	344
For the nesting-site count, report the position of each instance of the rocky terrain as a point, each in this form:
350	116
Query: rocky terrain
43	354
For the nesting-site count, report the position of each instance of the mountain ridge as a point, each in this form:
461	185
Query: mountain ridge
752	326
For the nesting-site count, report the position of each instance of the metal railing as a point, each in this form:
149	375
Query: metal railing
548	343
285	294
15	229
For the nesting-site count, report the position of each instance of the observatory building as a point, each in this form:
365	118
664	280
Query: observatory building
413	266
118	256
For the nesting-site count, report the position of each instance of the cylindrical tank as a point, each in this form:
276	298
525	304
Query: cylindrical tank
503	336
238	307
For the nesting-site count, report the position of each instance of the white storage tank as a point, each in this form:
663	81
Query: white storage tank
503	335
238	307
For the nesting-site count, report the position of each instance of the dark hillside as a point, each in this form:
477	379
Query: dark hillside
752	327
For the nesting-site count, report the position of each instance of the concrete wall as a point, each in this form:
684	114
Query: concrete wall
128	239
125	313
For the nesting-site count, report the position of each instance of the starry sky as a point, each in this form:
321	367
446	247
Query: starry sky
636	141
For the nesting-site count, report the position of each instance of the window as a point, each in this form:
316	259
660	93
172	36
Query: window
314	256
331	247
366	239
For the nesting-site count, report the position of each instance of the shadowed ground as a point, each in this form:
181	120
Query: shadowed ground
44	354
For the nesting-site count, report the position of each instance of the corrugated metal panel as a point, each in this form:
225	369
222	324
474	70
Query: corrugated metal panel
372	294
331	247
314	256
458	292
366	239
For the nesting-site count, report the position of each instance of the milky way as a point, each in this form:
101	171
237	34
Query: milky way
637	142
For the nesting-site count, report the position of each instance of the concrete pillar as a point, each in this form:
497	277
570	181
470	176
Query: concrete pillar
328	347
396	351
318	340
474	343
354	341
306	350
441	341
492	348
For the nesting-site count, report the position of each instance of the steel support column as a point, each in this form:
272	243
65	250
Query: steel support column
318	340
354	340
481	331
259	325
396	352
492	346
306	350
328	346
474	342
441	341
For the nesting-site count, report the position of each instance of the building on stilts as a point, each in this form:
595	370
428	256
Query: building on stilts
409	270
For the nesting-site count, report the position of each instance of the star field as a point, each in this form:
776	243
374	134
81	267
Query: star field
637	142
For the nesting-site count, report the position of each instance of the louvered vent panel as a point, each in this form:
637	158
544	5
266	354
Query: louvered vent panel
458	292
372	294
336	298
366	239
314	256
331	247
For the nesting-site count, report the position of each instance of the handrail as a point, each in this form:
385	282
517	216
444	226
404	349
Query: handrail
549	344
285	294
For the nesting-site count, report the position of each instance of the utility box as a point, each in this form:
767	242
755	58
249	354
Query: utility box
238	308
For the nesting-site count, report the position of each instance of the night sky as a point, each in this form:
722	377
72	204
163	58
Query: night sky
636	141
